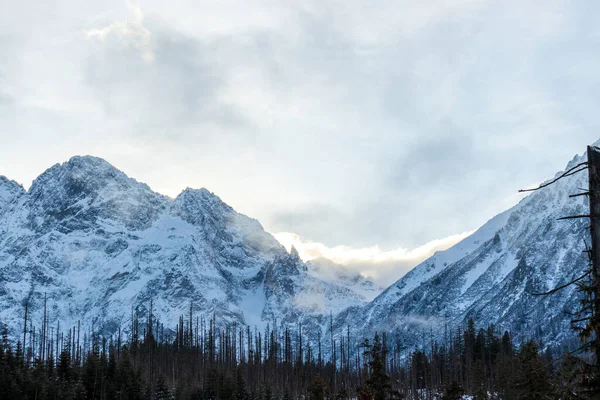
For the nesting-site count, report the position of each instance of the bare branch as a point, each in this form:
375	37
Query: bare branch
579	194
574	321
573	217
574	172
569	353
570	172
556	289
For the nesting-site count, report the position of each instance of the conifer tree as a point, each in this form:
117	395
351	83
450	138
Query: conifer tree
378	382
316	390
240	385
453	392
532	381
161	390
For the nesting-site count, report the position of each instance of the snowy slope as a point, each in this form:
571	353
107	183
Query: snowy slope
101	245
491	275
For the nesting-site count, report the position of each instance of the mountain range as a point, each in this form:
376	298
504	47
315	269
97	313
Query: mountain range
100	246
496	275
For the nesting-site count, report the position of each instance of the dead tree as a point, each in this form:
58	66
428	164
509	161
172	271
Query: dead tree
587	318
592	327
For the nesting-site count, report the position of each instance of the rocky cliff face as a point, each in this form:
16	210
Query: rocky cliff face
101	245
9	192
492	276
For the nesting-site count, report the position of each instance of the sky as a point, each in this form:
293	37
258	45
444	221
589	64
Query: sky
370	133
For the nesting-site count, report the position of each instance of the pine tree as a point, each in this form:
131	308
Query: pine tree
532	381
211	384
570	377
63	369
317	388
161	390
240	385
227	389
127	379
91	376
479	384
378	382
453	392
267	393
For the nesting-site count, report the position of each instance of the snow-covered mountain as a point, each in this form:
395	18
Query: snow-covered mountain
9	190
492	275
101	245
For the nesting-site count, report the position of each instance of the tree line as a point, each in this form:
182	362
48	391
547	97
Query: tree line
204	359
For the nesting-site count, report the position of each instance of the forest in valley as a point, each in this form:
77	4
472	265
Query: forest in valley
202	359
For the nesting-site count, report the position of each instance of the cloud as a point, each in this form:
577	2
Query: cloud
312	219
438	159
424	322
174	97
348	123
310	299
383	266
132	32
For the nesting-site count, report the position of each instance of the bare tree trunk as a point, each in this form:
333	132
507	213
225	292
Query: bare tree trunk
594	190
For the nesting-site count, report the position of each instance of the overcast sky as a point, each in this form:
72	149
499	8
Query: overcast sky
359	130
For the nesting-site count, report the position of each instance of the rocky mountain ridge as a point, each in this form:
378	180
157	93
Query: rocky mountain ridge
100	246
494	275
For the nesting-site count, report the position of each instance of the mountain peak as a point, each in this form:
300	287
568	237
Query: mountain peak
77	168
4	181
194	201
98	242
294	252
199	193
83	175
87	160
87	187
9	190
